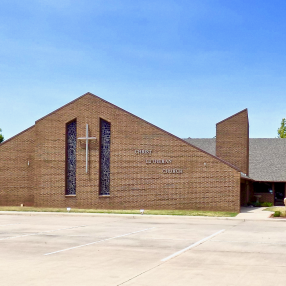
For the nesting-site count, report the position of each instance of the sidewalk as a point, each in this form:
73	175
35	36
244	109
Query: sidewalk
246	213
253	213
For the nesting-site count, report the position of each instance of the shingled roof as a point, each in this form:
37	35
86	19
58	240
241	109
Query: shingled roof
267	157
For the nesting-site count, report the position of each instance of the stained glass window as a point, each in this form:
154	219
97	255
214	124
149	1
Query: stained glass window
71	158
105	134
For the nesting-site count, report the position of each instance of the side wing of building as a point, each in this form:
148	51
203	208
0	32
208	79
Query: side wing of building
17	169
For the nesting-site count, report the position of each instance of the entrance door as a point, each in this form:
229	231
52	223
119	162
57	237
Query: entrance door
279	194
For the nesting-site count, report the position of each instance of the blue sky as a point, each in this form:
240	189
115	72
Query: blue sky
181	65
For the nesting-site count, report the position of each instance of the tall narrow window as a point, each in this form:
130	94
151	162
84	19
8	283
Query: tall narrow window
105	134
71	158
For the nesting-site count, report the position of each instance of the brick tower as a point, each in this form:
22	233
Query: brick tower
232	140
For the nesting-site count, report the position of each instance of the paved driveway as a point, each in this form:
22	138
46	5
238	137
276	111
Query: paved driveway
119	250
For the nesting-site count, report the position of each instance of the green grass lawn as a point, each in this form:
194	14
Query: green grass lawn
273	209
150	212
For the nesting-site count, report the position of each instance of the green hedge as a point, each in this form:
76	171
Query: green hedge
265	204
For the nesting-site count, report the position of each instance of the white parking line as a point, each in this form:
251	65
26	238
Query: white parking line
102	240
192	245
249	242
42	232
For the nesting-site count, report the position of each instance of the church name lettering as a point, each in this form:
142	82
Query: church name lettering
172	171
148	161
143	151
159	161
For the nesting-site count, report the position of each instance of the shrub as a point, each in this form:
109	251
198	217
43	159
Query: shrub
267	204
256	204
277	214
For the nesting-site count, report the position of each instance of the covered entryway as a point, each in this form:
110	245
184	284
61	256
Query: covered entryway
263	192
279	191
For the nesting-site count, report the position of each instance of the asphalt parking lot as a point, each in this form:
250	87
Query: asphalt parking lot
120	250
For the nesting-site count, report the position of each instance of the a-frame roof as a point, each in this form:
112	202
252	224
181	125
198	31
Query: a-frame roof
98	98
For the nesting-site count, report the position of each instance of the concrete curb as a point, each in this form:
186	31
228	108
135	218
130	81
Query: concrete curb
138	216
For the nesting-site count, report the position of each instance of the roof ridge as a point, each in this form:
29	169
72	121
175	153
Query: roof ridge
170	134
87	93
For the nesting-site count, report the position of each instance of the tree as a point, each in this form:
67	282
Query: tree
1	136
282	130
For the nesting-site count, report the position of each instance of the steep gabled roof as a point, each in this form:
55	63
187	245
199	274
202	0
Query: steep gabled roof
98	98
62	107
182	140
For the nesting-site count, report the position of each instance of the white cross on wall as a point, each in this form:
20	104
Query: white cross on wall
86	138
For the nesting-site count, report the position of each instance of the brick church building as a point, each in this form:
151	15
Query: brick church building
93	154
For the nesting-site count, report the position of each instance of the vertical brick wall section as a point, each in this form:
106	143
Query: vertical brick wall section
16	176
206	182
232	140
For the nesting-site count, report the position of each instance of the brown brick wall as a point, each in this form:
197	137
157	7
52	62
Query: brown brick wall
232	140
16	176
134	184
